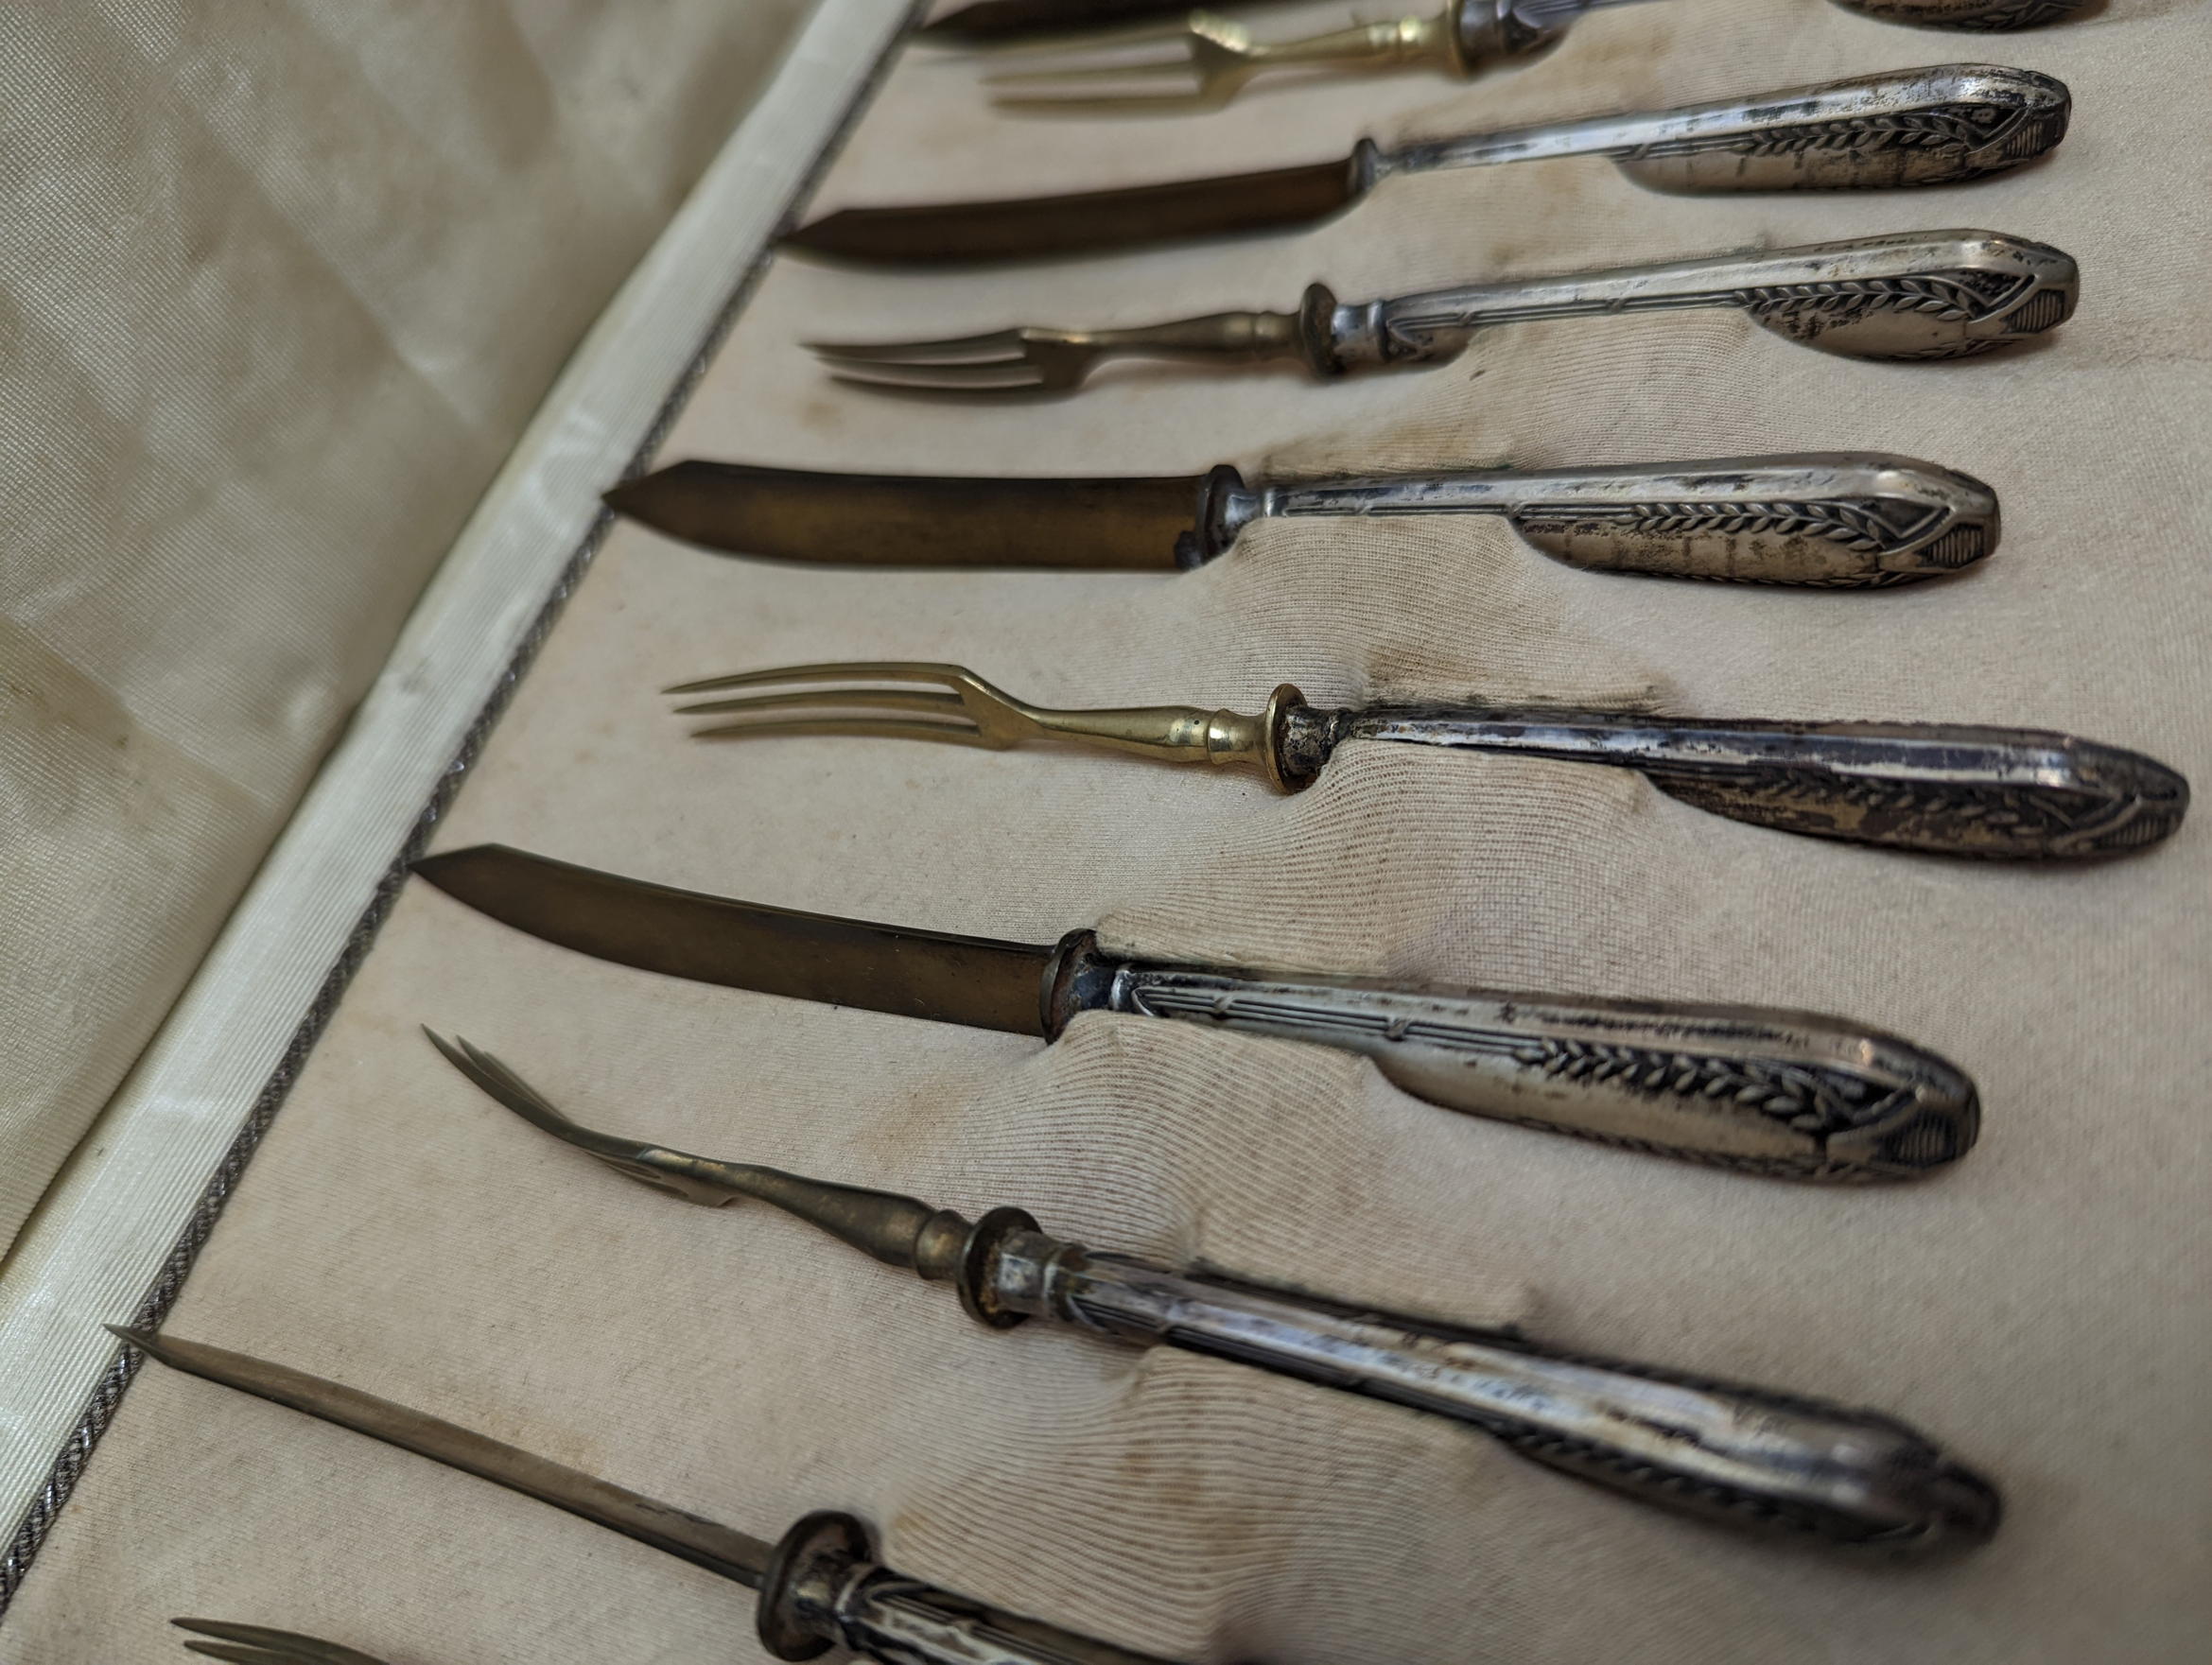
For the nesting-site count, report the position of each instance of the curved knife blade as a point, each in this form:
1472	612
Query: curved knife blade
910	520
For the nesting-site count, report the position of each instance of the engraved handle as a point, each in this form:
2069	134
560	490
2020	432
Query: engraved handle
1918	295
1744	1455
1982	16
1787	1094
825	1589
1913	127
1940	788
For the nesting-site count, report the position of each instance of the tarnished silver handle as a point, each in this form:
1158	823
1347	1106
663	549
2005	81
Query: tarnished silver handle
1945	294
1790	1094
1745	1455
2013	794
1983	16
825	1589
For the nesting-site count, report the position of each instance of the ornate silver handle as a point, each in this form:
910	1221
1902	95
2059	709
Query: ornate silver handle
825	1589
2017	794
1794	1095
1912	127
1920	295
1833	519
1983	16
1744	1455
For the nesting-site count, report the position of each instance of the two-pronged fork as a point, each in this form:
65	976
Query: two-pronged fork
256	1645
1938	787
1219	57
989	21
1748	1456
1919	295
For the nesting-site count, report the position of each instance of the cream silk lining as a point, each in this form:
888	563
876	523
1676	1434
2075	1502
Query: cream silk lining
284	285
2038	1308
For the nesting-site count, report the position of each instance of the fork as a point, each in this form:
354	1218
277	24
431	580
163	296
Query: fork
1220	56
1914	295
1942	789
256	1645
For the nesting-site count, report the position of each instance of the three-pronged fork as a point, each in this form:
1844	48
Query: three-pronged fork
1916	295
256	1645
1938	788
1219	57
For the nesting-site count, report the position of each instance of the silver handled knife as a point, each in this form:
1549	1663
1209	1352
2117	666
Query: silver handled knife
1917	295
1745	1456
1916	127
1841	519
821	1587
1789	1094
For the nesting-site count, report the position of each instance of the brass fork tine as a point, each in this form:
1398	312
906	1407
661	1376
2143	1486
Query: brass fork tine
1007	343
855	670
881	699
855	728
257	1644
1005	385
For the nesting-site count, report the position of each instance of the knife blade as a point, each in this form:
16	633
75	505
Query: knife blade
1764	1091
1832	518
1933	126
819	1587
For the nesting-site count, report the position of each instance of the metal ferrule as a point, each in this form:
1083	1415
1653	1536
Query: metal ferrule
1484	31
1833	519
1918	295
1918	127
1750	1457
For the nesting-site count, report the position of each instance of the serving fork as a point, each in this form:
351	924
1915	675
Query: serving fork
1219	57
257	1644
1940	788
1916	295
989	21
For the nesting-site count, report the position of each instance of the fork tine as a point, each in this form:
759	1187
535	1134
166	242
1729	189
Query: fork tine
1093	73
257	1644
1079	104
1007	343
921	699
855	670
872	728
948	380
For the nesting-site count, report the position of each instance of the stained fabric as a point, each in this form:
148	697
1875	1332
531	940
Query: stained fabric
2037	1308
282	284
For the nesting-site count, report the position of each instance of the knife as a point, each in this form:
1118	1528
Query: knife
1940	788
1913	295
987	20
1788	1094
1837	519
1933	126
819	1587
1745	1456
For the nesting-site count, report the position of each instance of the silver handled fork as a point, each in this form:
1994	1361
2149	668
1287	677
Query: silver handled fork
257	1644
1942	789
1917	295
1219	57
